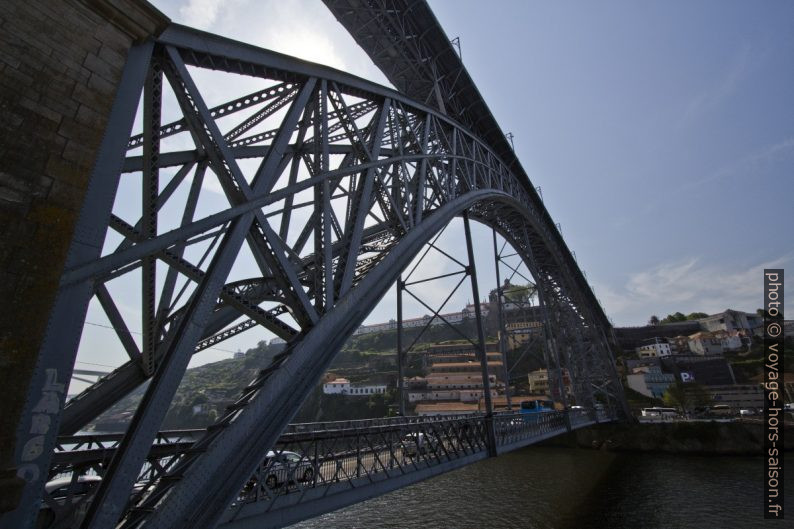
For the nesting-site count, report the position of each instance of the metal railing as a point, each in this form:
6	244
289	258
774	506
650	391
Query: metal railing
323	457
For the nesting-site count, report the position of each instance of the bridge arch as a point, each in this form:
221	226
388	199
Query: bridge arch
404	172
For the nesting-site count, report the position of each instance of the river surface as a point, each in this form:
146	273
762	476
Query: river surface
567	488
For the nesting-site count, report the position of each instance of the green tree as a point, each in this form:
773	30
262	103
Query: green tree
654	320
696	315
672	318
686	397
675	396
520	293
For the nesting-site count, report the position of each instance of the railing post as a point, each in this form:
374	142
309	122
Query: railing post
486	384
358	456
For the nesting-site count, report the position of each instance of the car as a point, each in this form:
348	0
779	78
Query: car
419	443
746	412
285	467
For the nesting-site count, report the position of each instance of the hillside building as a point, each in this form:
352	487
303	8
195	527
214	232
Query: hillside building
342	386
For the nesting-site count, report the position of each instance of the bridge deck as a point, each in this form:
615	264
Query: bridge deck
334	464
377	460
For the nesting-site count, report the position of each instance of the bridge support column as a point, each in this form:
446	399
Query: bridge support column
486	383
400	353
501	322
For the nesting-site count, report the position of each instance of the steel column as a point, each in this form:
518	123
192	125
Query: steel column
501	319
400	352
486	383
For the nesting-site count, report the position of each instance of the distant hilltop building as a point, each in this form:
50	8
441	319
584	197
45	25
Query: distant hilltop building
737	324
702	343
450	317
734	320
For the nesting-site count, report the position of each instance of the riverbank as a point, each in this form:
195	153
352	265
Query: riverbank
682	437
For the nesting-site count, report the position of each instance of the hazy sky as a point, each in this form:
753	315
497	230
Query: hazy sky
661	133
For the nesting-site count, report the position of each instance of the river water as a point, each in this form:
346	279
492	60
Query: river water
566	488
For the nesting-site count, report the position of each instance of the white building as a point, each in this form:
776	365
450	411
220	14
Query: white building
342	386
338	386
657	348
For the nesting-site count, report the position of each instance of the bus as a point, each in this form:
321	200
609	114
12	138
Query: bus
660	413
721	409
536	406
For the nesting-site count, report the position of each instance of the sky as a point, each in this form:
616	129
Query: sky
660	133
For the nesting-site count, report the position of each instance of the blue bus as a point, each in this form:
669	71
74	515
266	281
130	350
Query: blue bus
536	406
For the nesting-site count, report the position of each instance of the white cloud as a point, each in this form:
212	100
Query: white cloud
302	28
686	286
200	14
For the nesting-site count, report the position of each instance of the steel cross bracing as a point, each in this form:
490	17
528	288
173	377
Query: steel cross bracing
406	42
332	186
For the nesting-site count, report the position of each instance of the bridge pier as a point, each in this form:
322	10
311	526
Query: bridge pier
61	64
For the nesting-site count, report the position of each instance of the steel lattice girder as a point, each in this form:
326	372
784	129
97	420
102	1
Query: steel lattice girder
405	172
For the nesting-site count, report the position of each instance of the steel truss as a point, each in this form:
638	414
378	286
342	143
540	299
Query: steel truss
333	185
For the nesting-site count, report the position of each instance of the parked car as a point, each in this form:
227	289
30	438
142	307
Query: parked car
419	443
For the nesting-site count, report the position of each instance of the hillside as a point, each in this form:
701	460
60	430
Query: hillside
205	391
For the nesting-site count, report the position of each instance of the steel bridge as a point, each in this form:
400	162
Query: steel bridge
332	186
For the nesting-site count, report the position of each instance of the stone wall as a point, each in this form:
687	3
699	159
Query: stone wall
60	62
741	438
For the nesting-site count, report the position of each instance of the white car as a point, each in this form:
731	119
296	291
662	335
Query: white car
286	467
